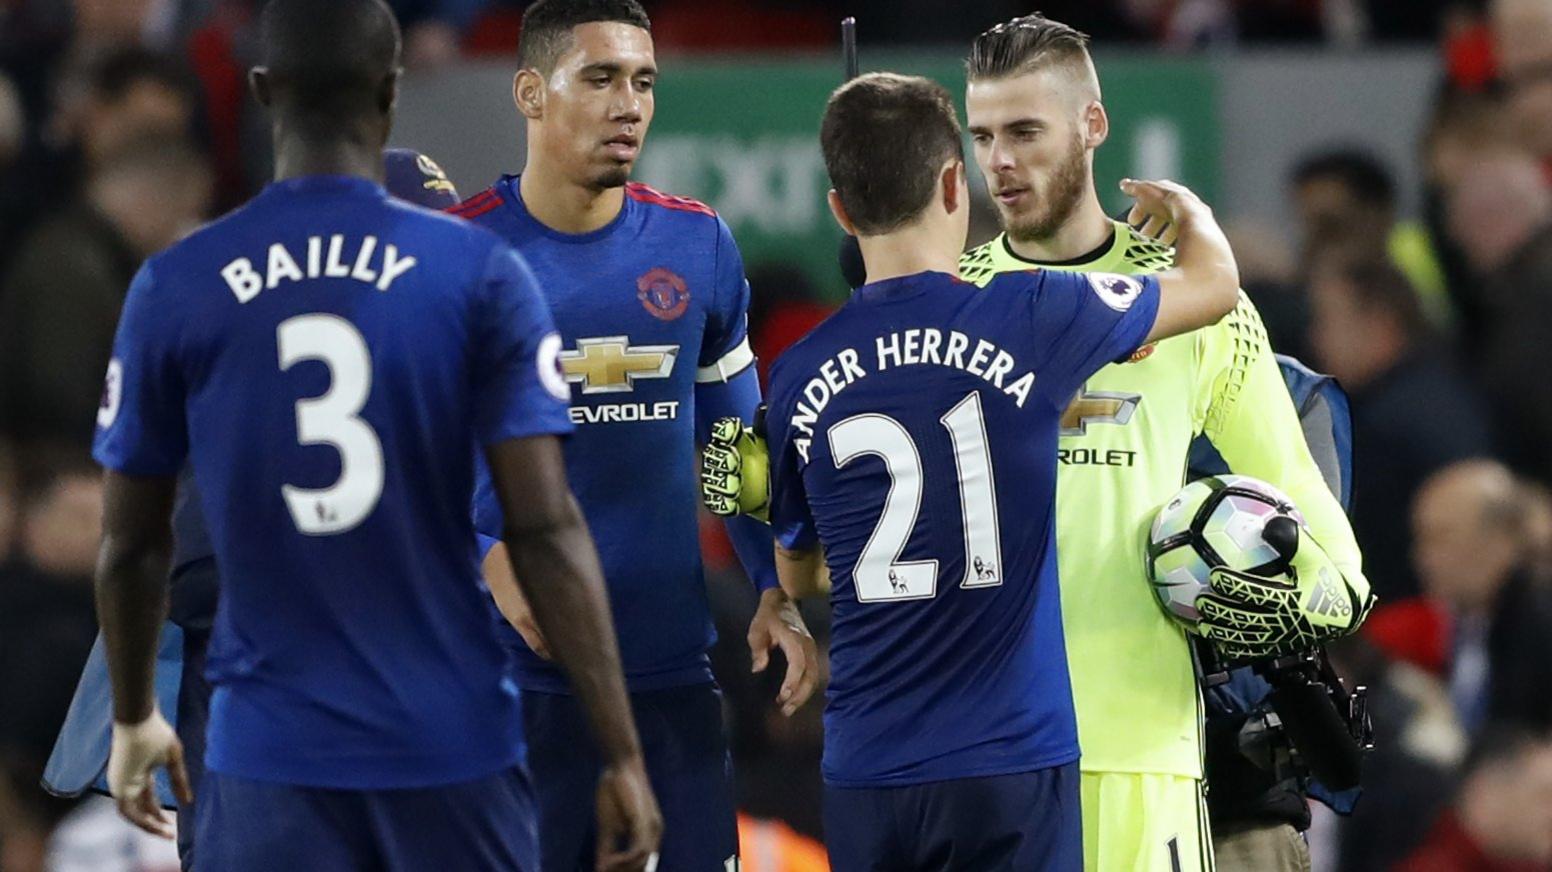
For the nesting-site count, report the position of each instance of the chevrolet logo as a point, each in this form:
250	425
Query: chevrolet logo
610	364
1097	407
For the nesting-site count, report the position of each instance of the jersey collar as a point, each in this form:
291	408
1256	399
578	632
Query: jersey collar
1109	250
327	185
513	195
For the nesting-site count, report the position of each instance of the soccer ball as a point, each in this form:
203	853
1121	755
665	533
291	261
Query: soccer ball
1212	522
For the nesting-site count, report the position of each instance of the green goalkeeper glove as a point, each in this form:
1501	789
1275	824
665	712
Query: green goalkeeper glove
1249	617
735	471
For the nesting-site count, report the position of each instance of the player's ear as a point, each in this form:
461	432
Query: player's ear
528	93
956	189
258	84
1096	125
838	209
388	93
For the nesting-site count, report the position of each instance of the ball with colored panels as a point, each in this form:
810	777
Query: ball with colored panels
1212	522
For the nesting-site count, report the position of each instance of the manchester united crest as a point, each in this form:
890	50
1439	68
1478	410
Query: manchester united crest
663	293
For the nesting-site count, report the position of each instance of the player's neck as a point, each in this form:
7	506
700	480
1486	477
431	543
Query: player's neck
296	157
907	252
564	206
1086	230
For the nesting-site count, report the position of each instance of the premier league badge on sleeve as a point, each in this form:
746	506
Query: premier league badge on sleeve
1116	291
112	394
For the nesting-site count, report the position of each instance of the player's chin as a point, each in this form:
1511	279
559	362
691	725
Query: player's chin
614	176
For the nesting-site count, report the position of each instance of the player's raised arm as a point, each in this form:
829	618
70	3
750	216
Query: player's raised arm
553	558
1204	284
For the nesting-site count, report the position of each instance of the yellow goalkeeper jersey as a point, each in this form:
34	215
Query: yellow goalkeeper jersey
1122	455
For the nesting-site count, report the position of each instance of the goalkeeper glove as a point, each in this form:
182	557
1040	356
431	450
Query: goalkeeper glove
1249	616
735	471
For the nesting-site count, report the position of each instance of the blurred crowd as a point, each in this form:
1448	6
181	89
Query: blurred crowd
124	124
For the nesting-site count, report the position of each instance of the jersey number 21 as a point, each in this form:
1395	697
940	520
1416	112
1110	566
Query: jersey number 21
880	575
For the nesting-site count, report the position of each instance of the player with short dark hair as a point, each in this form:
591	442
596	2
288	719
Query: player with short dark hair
913	459
651	302
324	357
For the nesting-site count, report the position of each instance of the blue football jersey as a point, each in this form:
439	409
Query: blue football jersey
327	358
647	307
913	436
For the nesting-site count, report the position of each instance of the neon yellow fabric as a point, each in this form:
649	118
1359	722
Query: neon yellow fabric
1122	456
1144	823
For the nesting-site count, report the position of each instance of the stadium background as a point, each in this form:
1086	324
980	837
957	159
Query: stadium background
1408	136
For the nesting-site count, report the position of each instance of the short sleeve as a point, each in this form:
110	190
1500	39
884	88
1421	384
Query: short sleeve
1083	321
141	421
725	350
519	388
791	519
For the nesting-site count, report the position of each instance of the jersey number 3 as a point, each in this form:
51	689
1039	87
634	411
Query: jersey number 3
332	419
880	574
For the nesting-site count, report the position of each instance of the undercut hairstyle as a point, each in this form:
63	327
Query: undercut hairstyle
1361	173
885	139
547	27
1026	44
328	61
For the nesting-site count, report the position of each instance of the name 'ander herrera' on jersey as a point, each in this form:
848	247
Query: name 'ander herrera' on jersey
917	346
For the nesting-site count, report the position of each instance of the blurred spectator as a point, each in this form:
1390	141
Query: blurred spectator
46	628
1501	819
771	846
133	93
1346	201
1266	272
61	295
1408	777
1472	556
1501	215
1462	128
1523	31
1413	413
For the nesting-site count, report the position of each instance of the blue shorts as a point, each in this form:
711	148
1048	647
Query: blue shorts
687	760
193	715
1027	822
258	826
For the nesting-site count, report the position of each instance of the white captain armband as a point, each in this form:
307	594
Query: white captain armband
731	364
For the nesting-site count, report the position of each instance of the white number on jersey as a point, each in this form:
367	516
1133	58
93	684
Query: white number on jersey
880	575
331	419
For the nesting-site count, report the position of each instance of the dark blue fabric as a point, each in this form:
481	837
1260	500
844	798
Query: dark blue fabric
1028	822
687	760
485	825
914	435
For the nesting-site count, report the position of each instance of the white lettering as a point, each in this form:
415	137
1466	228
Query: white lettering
831	377
931	339
803	418
817	393
848	359
393	267
1019	390
802	446
314	255
1002	364
886	352
360	272
912	347
955	355
334	269
983	352
241	278
281	266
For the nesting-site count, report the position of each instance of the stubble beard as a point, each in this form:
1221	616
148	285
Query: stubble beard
1061	196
